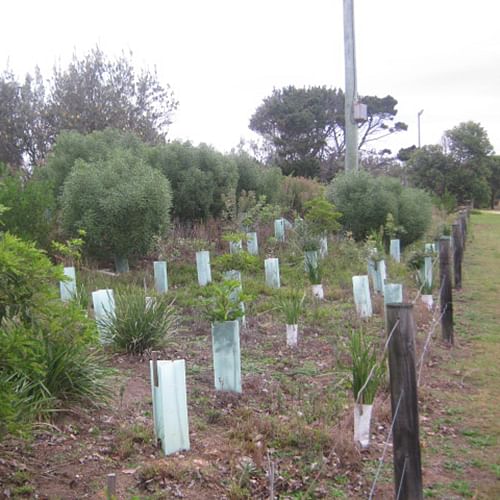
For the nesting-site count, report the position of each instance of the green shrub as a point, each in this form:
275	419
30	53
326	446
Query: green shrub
140	324
121	204
240	261
31	208
366	201
222	301
201	178
50	360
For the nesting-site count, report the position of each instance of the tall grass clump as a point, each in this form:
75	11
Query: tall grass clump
364	364
291	305
140	323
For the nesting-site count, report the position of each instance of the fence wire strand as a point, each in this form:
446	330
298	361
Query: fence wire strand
386	445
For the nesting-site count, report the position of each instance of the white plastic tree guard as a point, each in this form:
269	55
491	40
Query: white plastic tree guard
235	246
362	299
380	276
104	310
279	229
161	277
203	267
272	271
252	243
393	293
68	288
226	356
395	250
323	247
170	414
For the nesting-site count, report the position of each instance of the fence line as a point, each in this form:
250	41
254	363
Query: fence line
386	445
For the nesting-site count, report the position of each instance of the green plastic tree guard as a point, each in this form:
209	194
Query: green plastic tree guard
235	246
272	271
161	277
395	250
362	299
170	405
68	288
226	356
252	243
323	247
203	267
104	311
279	229
121	264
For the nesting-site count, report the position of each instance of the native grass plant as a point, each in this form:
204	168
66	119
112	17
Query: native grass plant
140	323
367	371
222	301
290	303
314	270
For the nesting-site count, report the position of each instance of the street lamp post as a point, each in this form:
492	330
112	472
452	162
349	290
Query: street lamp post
418	124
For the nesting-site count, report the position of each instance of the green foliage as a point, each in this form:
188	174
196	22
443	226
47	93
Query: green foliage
201	178
321	216
222	301
121	203
240	261
254	212
140	325
290	303
70	252
304	127
314	271
31	205
26	279
366	369
92	93
365	202
49	361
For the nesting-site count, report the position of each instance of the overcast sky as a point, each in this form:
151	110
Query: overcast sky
222	57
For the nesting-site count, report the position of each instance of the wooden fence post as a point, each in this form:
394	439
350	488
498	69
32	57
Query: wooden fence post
445	294
404	402
458	252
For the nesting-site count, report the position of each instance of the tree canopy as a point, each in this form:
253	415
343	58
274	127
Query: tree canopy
465	169
93	93
305	126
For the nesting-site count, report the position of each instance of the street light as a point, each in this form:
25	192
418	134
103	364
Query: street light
418	118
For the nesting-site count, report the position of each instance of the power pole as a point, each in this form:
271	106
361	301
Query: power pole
418	123
351	91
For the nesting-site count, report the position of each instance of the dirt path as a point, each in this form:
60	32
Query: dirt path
461	396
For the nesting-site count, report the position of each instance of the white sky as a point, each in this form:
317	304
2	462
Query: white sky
222	57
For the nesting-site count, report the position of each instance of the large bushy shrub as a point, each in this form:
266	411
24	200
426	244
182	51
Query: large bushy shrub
121	202
72	146
201	178
365	202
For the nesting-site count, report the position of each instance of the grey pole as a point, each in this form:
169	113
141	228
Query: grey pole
418	116
351	129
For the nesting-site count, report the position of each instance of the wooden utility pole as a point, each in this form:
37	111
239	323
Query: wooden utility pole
351	91
458	252
404	402
445	294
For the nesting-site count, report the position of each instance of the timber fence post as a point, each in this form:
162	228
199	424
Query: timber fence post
445	294
404	402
